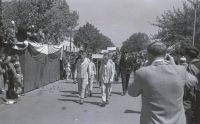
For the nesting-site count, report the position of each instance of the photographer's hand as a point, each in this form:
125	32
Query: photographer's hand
170	59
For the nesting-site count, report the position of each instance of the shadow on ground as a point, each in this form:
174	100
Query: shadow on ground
77	101
69	100
132	111
69	96
71	92
117	93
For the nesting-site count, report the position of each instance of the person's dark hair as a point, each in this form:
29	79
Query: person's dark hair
157	48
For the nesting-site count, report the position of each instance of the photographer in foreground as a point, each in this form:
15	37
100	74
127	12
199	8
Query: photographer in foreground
161	85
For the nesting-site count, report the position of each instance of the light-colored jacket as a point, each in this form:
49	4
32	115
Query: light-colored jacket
82	69
162	87
92	69
113	69
106	73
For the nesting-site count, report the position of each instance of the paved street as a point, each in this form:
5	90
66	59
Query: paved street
57	103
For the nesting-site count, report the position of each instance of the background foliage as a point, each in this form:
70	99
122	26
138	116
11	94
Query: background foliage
177	25
136	43
90	38
54	17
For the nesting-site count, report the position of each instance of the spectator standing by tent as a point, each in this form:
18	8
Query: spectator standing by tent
92	70
81	75
105	76
2	72
161	86
192	97
67	70
11	80
19	86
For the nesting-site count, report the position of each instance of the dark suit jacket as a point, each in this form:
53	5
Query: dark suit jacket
162	88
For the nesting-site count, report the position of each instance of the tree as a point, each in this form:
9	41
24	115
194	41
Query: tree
135	43
54	17
1	23
91	39
177	26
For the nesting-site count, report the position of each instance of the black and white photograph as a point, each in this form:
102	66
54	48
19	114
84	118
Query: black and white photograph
99	61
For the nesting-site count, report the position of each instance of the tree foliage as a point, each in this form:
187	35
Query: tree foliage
177	25
135	43
54	17
91	39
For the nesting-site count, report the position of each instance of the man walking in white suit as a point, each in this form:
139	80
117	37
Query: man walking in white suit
81	75
105	76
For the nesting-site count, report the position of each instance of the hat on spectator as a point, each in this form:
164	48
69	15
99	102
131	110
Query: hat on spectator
192	52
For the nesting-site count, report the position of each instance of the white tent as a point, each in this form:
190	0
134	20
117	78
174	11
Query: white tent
66	46
111	48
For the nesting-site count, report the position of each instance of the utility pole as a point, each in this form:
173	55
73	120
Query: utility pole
195	4
1	22
70	40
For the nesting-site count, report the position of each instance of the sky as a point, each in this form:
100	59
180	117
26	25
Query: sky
119	19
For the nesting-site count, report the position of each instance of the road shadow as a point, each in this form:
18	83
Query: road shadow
71	92
96	93
96	96
69	100
77	101
67	81
117	93
69	96
93	103
131	111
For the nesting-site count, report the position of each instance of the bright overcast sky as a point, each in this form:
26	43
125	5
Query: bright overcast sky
119	19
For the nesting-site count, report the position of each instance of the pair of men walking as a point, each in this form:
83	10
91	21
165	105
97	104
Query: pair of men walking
85	72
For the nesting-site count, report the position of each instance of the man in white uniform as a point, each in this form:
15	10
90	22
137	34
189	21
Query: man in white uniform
113	72
105	76
81	75
92	70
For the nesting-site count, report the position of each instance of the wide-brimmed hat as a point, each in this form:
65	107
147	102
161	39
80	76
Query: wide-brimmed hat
192	52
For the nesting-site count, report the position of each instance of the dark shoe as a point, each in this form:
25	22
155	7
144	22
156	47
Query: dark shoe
90	94
107	102
81	101
123	94
103	104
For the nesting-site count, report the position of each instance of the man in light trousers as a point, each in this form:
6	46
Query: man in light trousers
92	70
113	72
106	73
81	75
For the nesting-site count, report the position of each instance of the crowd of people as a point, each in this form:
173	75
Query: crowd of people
170	90
11	77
